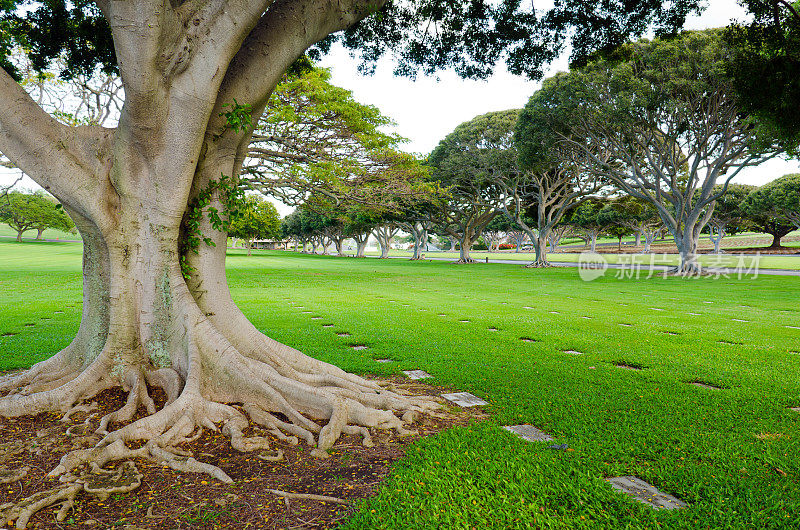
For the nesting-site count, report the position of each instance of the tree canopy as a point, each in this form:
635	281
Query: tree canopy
660	120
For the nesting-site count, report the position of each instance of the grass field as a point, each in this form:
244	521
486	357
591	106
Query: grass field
733	454
709	260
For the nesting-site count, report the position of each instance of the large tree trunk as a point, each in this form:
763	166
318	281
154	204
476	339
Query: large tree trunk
776	240
453	244
144	325
466	247
39	232
649	237
687	251
19	236
638	234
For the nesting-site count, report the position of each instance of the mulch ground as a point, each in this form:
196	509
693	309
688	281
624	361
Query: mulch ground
171	500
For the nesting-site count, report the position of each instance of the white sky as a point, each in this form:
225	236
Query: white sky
427	109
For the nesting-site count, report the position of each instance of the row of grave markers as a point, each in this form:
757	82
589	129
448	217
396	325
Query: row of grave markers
633	486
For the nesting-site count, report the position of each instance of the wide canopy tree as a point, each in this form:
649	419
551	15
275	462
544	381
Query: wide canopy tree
550	182
660	120
150	198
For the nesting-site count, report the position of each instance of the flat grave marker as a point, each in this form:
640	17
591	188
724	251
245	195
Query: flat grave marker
657	309
705	385
417	374
527	339
359	347
573	352
626	325
529	433
645	493
694	314
554	313
464	399
327	325
625	366
792	327
493	329
383	360
526	307
795	409
739	320
343	334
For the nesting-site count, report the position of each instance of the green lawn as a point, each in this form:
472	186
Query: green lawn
710	260
699	444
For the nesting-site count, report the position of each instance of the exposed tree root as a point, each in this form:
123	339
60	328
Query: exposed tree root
308	496
539	264
98	482
215	386
7	476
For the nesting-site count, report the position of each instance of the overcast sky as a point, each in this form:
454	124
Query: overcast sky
427	109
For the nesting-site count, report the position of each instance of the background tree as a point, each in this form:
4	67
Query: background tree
469	163
590	220
662	123
197	77
640	217
26	211
781	197
551	182
772	208
728	218
615	218
495	231
258	219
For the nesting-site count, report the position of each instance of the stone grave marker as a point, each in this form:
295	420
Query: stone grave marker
628	367
327	325
493	329
529	433
417	374
464	399
626	325
316	318
646	493
694	314
573	352
739	320
796	409
359	347
792	327
343	334
657	309
705	385
554	313
383	360
527	339
526	307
